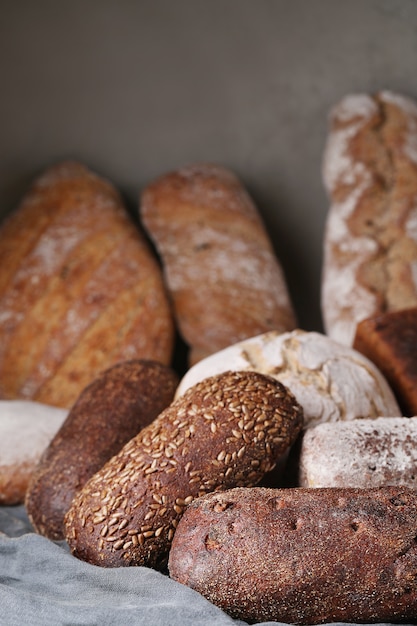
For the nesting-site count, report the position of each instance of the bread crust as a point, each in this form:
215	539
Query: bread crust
370	239
302	556
108	413
224	278
80	289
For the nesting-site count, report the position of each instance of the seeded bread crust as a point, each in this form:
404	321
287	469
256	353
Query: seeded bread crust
109	412
220	267
390	341
370	240
80	289
302	556
228	430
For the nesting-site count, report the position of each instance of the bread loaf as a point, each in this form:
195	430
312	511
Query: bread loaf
361	453
390	341
332	382
225	281
227	431
370	240
80	289
302	556
26	429
108	413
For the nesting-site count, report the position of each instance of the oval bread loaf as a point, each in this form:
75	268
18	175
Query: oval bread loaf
302	556
226	431
109	412
80	289
370	239
332	382
224	278
26	429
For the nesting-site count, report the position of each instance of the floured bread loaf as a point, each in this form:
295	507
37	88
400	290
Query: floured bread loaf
26	429
331	382
224	278
390	341
79	289
302	556
362	453
370	241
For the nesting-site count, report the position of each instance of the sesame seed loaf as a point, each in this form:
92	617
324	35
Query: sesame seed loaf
331	382
390	341
361	453
220	267
370	239
80	289
108	413
227	431
302	556
26	429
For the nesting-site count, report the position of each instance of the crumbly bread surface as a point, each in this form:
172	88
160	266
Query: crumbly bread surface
302	556
362	453
26	429
390	341
225	280
79	289
108	413
226	431
332	382
370	240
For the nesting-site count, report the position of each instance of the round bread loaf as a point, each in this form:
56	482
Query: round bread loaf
80	289
331	382
361	453
109	412
224	278
26	429
226	431
302	556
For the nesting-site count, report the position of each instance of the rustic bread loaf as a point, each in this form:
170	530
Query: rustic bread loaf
361	453
26	429
390	341
331	382
224	278
79	289
109	412
370	240
226	431
302	556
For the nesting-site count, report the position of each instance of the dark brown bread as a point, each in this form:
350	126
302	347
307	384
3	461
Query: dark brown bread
225	280
80	289
390	341
227	431
302	556
109	412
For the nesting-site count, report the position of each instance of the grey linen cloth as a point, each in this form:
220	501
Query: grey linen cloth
42	584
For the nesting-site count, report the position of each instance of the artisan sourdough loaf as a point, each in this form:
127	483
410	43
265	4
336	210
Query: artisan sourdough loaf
302	556
227	431
390	341
370	240
26	429
224	278
361	453
332	382
108	413
80	289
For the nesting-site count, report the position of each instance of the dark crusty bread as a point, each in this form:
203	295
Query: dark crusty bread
225	280
108	413
370	240
227	431
80	289
390	341
302	556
